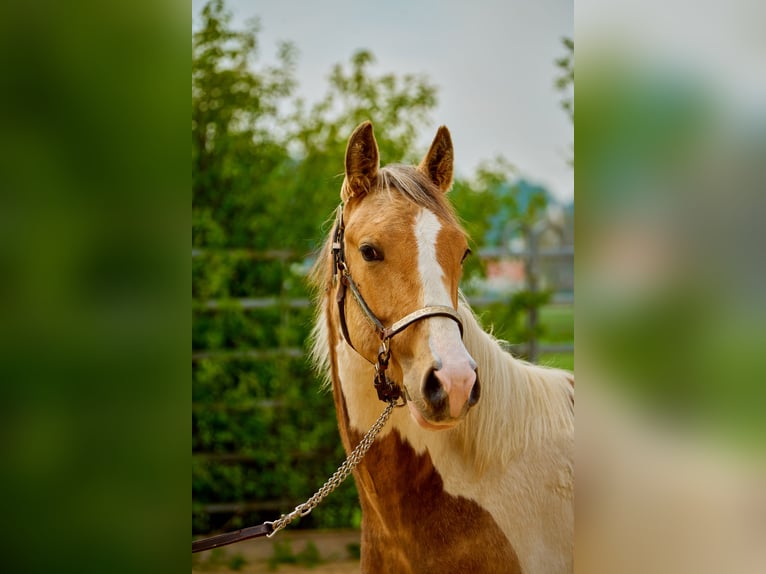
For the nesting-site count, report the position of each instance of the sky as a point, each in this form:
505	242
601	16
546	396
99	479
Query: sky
492	62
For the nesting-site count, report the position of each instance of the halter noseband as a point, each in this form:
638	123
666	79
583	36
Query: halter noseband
388	391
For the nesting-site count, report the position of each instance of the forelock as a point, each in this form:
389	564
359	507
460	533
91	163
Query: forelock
416	186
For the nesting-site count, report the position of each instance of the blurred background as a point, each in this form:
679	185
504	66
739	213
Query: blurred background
267	165
671	196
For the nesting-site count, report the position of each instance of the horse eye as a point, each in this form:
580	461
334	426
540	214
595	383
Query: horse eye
465	255
369	253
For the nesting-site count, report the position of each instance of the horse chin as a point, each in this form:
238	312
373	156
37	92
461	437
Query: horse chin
418	417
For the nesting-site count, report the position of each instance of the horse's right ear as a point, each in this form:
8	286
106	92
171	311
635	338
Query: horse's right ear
362	162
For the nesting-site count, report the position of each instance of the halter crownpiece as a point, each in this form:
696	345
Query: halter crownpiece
388	391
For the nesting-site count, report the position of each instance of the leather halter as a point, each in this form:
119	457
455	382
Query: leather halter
388	391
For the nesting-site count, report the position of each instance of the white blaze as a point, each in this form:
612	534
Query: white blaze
451	359
427	227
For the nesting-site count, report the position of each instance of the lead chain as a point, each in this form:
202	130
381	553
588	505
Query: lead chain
338	477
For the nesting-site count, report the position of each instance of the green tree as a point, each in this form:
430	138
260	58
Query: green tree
319	134
235	149
400	103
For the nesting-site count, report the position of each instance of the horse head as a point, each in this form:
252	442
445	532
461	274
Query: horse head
403	250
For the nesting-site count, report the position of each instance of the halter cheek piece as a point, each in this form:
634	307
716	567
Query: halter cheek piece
388	390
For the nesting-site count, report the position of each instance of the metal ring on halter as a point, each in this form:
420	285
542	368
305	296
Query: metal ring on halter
384	354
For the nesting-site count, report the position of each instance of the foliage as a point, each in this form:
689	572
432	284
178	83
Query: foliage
402	104
513	314
565	81
257	170
235	151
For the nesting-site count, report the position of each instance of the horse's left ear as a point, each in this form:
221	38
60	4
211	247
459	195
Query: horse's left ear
437	164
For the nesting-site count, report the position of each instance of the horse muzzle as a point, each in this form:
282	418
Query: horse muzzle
446	395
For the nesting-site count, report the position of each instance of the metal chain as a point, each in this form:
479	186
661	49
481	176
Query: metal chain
339	476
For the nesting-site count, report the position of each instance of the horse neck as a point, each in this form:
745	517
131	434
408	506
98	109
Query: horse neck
523	407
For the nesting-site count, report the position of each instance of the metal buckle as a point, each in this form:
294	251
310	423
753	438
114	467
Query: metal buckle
388	391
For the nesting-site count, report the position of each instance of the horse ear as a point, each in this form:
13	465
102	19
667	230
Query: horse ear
362	162
437	164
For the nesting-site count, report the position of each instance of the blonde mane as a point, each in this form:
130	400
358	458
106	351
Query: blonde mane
529	403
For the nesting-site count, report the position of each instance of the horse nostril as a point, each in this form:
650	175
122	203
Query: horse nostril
475	392
433	392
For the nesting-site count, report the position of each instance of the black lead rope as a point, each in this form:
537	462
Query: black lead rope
231	537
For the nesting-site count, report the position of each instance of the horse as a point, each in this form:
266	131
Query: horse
475	472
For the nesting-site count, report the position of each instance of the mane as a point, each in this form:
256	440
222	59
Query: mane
415	185
530	403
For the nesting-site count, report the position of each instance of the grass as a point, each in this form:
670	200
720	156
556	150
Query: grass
558	327
558	323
